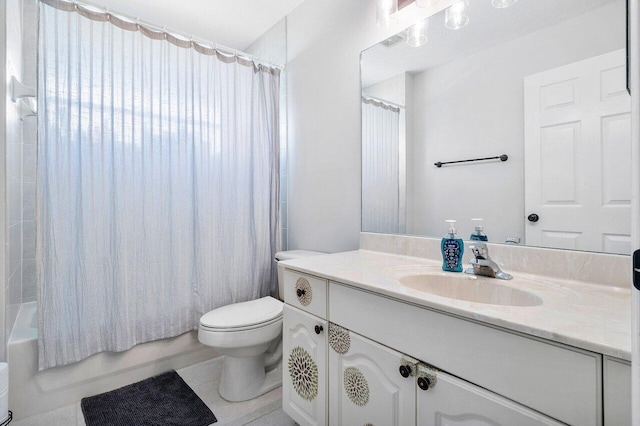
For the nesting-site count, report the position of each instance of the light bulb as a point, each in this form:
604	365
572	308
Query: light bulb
426	3
456	16
386	9
418	34
501	4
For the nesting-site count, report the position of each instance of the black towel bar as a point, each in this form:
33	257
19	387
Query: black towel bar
503	157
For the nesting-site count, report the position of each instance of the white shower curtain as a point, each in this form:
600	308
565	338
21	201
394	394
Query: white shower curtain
158	186
380	167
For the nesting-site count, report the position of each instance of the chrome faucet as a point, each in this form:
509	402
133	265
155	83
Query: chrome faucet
483	265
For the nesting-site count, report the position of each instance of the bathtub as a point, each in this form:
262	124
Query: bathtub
32	392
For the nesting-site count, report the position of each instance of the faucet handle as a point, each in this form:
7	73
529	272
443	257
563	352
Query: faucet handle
480	250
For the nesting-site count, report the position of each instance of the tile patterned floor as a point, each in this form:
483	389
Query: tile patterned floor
203	379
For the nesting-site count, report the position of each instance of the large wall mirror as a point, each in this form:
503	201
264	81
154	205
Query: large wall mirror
538	83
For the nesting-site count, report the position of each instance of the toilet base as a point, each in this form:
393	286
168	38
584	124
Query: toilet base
247	378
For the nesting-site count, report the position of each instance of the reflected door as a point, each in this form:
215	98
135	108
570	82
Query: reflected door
578	156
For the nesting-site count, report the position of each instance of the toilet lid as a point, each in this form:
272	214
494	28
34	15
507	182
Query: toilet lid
243	314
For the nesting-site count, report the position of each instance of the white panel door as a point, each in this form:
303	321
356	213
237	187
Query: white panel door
366	384
304	385
578	156
454	402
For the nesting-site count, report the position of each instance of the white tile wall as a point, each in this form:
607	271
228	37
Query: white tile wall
29	139
20	286
28	190
13	285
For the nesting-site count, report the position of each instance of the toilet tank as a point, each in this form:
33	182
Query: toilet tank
290	255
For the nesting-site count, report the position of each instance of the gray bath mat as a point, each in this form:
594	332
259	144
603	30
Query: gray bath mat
159	401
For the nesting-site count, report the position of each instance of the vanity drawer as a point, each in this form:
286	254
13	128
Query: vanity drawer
306	292
561	382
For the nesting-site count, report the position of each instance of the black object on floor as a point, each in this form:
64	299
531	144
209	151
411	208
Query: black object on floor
159	401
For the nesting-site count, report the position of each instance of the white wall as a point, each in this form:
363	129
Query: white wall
324	41
3	178
392	90
13	135
271	46
473	107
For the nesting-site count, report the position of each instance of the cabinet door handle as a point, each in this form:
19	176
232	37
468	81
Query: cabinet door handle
300	292
424	383
405	370
319	329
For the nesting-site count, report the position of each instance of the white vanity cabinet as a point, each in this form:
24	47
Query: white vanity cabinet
617	392
453	402
369	383
478	374
561	382
304	385
372	384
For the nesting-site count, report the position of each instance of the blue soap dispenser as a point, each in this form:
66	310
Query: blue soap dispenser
479	234
452	250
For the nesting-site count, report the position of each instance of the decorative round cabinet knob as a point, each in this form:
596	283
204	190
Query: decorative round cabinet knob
533	217
300	292
319	329
424	383
405	370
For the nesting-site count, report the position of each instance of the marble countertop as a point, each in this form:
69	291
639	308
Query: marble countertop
587	316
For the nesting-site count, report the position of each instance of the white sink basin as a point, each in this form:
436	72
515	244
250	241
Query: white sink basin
471	289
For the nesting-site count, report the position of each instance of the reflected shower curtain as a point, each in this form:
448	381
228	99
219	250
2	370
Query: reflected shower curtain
158	189
380	167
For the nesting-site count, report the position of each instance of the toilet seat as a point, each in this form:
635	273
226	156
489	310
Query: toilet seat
243	316
249	327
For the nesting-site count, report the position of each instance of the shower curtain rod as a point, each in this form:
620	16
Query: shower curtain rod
94	7
382	101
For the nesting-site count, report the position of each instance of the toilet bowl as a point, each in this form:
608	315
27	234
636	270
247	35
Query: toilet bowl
249	335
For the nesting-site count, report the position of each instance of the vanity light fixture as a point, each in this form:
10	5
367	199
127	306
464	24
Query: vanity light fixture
386	10
456	16
27	94
418	35
501	4
426	3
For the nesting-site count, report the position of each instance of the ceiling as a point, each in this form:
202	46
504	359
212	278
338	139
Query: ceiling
231	23
382	62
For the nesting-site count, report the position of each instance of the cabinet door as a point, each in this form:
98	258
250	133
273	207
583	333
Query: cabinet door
454	402
366	384
617	392
304	385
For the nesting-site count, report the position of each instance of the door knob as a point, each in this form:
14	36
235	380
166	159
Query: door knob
405	370
533	217
319	329
424	383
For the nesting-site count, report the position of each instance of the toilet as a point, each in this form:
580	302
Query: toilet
249	335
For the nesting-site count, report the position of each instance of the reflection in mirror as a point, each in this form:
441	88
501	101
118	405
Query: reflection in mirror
542	82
